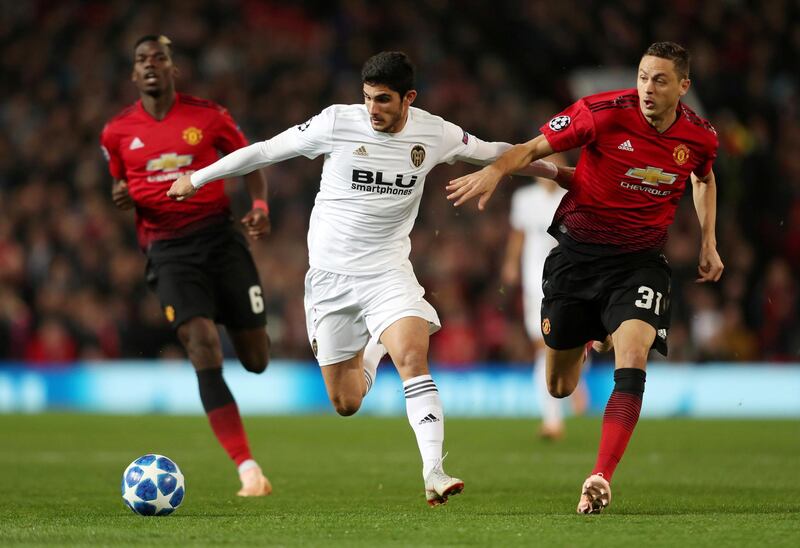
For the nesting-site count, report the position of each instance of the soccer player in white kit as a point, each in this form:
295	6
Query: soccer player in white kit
532	209
360	287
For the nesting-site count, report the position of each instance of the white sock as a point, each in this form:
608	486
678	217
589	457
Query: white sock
552	414
373	353
247	465
426	417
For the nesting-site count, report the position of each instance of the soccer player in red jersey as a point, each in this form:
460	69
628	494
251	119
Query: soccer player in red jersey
607	275
197	262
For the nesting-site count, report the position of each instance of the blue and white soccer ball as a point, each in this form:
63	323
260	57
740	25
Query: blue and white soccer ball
153	485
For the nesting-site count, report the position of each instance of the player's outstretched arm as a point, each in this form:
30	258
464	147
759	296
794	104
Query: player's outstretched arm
182	188
482	183
239	162
704	193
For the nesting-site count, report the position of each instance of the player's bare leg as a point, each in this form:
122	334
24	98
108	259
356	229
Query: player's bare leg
564	370
252	347
345	384
200	338
407	342
632	341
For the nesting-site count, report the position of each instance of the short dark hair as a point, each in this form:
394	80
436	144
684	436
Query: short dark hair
674	52
160	38
390	68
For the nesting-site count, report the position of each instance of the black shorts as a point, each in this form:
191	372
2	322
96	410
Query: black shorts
586	300
210	274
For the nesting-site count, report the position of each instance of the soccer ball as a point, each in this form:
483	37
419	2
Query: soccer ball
152	485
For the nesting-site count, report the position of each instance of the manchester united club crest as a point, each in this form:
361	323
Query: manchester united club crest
169	312
417	155
546	326
192	135
681	154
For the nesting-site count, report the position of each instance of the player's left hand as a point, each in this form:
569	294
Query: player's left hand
257	223
710	268
182	189
481	183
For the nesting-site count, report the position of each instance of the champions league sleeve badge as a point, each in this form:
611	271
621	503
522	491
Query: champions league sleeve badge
560	122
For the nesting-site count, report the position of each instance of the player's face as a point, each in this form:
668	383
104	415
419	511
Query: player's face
388	111
660	87
153	71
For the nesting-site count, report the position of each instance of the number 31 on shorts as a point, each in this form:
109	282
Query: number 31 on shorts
646	299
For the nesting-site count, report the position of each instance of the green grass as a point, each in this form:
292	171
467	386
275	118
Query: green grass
357	482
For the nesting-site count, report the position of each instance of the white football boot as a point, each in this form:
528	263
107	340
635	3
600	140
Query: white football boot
595	495
254	483
439	486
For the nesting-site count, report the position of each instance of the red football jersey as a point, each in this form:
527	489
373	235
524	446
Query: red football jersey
150	154
630	177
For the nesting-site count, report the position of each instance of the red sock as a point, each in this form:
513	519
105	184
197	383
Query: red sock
227	426
619	419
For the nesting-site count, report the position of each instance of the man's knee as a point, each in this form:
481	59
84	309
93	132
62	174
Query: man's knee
346	405
631	357
559	387
632	342
253	351
412	359
255	361
564	370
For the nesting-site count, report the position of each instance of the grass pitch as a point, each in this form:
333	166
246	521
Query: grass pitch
357	482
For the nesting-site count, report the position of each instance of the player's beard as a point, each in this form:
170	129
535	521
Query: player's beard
155	93
392	120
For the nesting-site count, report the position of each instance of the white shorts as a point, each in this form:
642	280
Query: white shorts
342	312
532	308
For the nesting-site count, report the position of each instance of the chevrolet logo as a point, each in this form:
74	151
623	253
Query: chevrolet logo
652	175
169	162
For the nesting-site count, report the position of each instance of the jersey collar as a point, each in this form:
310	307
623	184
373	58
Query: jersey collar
678	115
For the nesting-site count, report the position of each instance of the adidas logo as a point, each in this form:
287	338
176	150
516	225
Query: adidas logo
430	417
626	146
360	151
136	143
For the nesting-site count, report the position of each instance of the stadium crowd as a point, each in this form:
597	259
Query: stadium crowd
72	278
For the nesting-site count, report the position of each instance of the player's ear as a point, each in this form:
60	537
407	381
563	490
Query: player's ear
410	96
685	83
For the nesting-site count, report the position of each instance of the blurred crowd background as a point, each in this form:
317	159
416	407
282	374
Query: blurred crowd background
72	277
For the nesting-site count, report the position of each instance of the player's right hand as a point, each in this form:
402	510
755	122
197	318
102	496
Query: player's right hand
182	188
120	196
481	183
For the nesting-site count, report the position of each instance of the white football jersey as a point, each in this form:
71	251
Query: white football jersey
532	210
371	182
